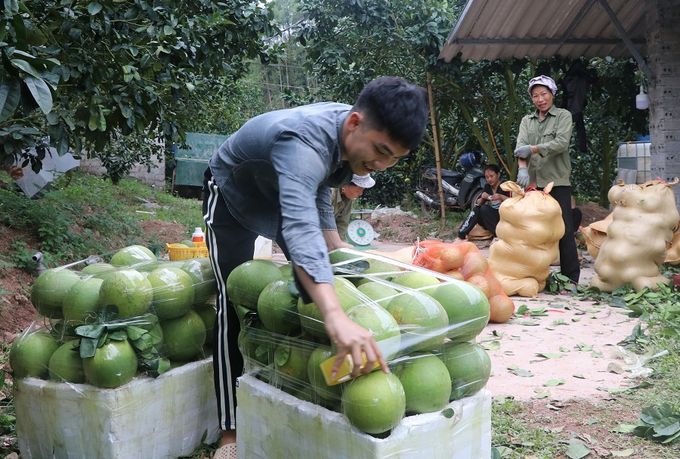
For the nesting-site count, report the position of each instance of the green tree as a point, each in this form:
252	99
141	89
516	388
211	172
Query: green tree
79	74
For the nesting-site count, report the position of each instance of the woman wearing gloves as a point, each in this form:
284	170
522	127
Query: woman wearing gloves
543	157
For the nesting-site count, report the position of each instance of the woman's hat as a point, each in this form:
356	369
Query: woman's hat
543	81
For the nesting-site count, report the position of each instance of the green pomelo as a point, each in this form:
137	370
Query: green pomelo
246	281
256	347
208	314
374	403
426	382
81	304
277	308
97	269
290	360
126	291
339	256
418	281
49	289
181	246
132	255
380	323
316	378
310	316
203	277
173	292
467	308
30	354
113	364
469	367
286	270
378	269
378	292
183	337
66	364
187	243
423	321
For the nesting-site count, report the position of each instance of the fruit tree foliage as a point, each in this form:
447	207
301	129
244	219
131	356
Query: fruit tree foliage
74	74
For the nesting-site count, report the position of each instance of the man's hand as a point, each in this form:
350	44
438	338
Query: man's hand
347	336
333	241
524	152
523	177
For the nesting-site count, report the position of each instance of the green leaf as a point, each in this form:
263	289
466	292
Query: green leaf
282	354
10	96
94	8
624	453
11	7
88	346
26	67
522	373
667	426
90	331
549	356
577	450
448	413
134	332
118	335
554	382
41	93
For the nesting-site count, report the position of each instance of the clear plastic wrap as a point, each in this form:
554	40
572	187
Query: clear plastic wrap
425	323
111	341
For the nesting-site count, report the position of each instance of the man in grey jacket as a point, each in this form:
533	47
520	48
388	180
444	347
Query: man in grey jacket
273	178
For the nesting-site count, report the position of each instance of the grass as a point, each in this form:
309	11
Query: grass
83	215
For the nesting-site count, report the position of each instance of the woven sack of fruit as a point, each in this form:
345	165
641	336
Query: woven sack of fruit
529	230
643	220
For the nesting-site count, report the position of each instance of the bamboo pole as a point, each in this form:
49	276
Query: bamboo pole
435	136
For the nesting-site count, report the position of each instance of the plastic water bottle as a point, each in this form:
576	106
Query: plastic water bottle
198	235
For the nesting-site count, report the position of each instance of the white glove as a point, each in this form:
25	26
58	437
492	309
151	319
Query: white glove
523	177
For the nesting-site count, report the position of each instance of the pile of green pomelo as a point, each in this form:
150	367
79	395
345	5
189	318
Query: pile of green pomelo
429	324
109	322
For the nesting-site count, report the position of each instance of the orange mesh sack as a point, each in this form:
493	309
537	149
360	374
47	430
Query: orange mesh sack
529	230
464	261
643	221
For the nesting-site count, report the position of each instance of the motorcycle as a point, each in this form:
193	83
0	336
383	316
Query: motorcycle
461	189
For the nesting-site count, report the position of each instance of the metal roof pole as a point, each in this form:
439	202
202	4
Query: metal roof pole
626	39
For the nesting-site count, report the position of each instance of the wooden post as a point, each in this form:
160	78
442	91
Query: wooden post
435	136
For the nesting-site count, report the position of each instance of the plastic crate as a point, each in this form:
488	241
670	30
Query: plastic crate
634	162
184	253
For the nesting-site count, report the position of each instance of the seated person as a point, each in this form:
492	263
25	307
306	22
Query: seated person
342	199
485	211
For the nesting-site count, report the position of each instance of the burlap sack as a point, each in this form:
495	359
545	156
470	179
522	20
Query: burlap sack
643	220
529	231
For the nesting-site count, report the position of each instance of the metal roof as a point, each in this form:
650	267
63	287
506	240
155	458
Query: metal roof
503	29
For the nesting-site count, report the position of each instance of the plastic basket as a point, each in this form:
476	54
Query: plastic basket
184	253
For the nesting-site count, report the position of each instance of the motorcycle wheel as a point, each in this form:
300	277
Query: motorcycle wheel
475	197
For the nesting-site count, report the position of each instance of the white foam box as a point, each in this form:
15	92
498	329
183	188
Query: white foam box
147	418
275	425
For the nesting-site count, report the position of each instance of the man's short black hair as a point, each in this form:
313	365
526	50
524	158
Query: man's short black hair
493	167
394	105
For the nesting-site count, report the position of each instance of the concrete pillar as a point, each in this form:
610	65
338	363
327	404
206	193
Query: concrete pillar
663	58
